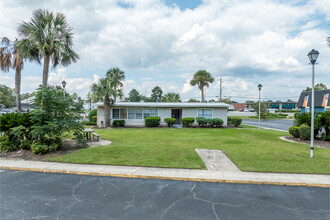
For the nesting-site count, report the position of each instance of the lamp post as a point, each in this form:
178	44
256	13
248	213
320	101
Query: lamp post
63	84
259	88
312	55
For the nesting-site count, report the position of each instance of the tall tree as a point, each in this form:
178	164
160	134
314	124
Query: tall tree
134	96
49	37
319	86
328	40
116	76
11	58
171	97
7	96
202	78
156	94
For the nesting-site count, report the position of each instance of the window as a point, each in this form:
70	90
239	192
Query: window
123	113
115	113
138	113
150	112
134	113
206	113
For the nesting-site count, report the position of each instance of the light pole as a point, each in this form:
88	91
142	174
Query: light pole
312	55
259	88
64	84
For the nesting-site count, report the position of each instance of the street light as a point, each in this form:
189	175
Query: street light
64	84
259	88
312	55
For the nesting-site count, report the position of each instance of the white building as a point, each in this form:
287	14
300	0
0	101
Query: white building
134	113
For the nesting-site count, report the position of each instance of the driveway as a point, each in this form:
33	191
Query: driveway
280	124
35	195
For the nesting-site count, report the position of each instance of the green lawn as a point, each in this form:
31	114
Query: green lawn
250	149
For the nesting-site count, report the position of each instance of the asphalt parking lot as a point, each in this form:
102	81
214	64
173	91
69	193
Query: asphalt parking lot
35	195
280	124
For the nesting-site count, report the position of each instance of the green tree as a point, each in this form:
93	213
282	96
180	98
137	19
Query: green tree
202	79
108	89
193	100
7	96
263	108
171	97
116	76
319	86
134	96
49	37
249	102
156	94
227	100
11	58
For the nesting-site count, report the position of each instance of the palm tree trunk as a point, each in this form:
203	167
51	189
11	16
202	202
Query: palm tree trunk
18	89
45	71
106	111
202	93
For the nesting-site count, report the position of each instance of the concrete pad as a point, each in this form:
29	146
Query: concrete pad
175	173
101	142
278	177
311	178
216	160
241	176
148	171
206	174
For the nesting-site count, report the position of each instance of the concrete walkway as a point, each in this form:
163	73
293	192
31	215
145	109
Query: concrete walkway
167	173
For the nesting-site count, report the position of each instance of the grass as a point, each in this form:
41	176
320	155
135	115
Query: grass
250	149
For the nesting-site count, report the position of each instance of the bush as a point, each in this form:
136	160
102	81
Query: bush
187	122
216	122
170	121
91	114
152	121
87	123
118	123
94	119
26	144
294	131
325	137
6	145
305	132
236	121
202	122
303	118
38	148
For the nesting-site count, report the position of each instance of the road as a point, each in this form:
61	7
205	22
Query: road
280	124
35	195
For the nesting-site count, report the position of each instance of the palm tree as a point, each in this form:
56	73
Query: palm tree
108	89
116	76
47	36
328	40
202	78
11	58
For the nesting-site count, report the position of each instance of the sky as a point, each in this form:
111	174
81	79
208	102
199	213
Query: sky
165	42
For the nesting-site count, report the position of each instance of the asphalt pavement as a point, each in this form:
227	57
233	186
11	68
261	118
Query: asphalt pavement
279	124
35	195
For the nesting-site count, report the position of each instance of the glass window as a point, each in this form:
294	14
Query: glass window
123	113
150	112
138	113
131	113
206	113
115	113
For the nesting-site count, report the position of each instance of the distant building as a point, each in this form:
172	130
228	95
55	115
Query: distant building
283	105
321	103
239	106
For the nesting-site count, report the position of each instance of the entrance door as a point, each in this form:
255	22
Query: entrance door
177	114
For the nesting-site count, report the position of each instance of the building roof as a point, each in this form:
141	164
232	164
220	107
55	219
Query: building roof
318	95
169	104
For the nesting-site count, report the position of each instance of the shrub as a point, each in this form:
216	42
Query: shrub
152	121
38	148
187	122
236	121
91	114
26	144
202	122
325	137
294	131
303	118
94	119
304	132
216	122
229	120
87	123
6	145
170	121
118	123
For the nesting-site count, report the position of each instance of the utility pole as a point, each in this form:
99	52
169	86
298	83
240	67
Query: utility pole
220	92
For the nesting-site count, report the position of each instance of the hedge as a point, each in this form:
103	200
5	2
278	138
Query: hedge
91	114
152	121
170	121
118	123
294	131
187	122
305	132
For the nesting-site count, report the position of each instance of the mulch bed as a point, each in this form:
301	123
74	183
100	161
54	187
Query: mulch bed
323	144
67	147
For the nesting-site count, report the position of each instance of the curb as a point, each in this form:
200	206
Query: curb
169	178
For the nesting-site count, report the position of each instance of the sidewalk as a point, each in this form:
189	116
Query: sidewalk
169	173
